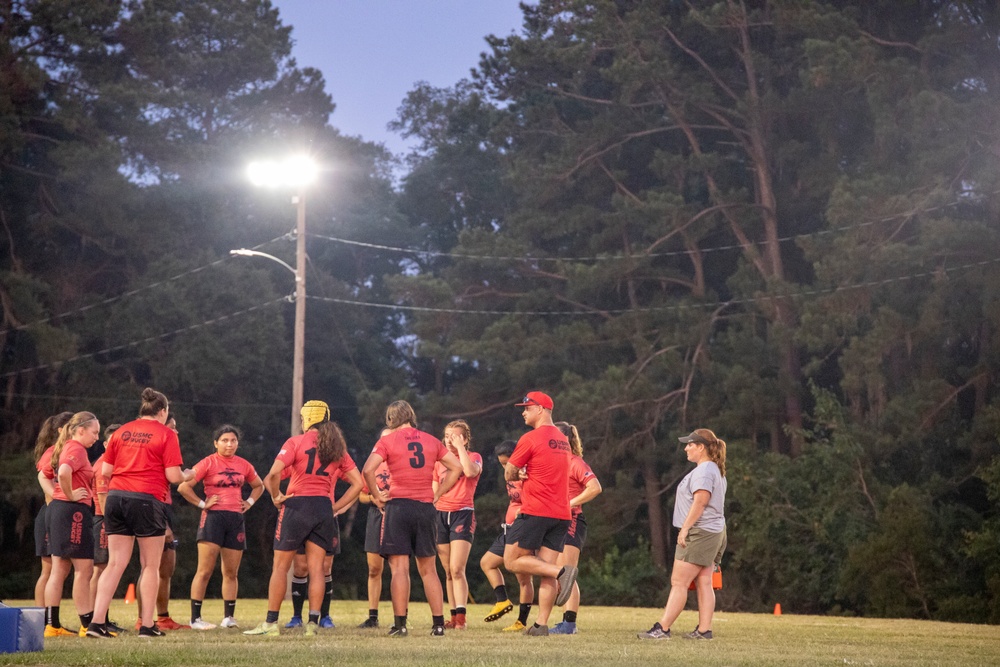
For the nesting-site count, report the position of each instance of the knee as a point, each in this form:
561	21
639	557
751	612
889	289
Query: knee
456	572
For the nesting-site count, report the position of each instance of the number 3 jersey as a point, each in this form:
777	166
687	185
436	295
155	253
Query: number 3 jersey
411	455
310	477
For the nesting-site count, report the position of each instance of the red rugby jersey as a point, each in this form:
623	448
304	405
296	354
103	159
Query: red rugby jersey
579	474
224	478
75	456
140	452
309	477
410	455
461	495
545	453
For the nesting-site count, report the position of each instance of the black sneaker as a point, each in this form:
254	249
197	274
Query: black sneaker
113	627
153	631
655	632
696	634
370	623
398	632
437	631
99	631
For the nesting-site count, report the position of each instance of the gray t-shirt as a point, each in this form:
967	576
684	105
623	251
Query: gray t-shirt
705	477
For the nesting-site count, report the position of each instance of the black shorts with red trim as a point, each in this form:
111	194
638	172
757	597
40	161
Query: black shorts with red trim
42	533
334	550
224	528
100	541
373	530
457	525
134	514
305	519
71	530
576	534
534	532
500	542
409	528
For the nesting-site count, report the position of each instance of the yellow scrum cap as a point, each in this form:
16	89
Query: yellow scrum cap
314	412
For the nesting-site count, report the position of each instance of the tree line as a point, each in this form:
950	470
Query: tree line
773	218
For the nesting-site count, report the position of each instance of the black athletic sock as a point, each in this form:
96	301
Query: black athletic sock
324	610
400	621
453	612
300	592
523	612
569	616
272	616
52	616
165	614
501	592
195	610
373	613
437	620
230	607
85	619
535	625
314	617
460	610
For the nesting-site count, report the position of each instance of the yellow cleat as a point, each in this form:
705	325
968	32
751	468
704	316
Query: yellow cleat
499	609
311	629
517	627
266	629
58	632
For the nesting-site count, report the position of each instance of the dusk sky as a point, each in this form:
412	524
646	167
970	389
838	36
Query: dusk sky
372	52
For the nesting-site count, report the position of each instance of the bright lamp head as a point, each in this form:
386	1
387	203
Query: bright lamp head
296	171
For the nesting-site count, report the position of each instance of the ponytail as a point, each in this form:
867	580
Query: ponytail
569	430
65	433
49	432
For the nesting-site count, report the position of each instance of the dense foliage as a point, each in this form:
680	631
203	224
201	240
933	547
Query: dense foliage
773	218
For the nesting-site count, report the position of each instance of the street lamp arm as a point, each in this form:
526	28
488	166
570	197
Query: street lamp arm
246	252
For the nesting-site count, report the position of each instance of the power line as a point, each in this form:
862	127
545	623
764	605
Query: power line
133	292
149	339
601	258
677	307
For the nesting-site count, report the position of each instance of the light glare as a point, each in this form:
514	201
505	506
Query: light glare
296	171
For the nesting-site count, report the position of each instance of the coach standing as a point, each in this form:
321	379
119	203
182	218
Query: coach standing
536	537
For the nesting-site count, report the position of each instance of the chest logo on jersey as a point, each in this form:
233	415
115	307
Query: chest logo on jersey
559	444
229	478
135	439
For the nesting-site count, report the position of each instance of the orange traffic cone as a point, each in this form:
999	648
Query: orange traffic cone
777	609
130	594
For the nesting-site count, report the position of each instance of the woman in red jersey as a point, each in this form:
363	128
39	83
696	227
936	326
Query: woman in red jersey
305	513
71	521
457	519
583	487
142	459
44	444
408	526
221	529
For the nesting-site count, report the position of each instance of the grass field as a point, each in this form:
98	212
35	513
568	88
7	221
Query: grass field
606	639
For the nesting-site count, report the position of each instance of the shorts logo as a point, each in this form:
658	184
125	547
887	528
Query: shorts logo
277	529
240	537
76	530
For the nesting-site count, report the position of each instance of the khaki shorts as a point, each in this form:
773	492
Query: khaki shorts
703	548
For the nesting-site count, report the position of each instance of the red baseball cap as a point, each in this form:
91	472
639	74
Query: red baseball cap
536	398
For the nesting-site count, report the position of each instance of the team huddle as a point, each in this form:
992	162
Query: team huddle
420	489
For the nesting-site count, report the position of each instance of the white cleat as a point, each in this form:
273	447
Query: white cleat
199	624
230	622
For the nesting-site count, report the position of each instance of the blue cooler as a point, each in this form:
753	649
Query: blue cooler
22	629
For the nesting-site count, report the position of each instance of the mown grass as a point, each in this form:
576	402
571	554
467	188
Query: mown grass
606	639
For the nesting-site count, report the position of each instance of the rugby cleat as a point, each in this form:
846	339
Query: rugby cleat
563	628
499	610
517	627
655	632
327	622
266	629
229	622
566	581
51	631
199	624
311	629
295	622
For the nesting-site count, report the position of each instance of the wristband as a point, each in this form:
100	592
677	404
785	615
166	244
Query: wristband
201	504
250	501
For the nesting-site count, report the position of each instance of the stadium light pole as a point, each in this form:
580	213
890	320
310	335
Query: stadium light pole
296	173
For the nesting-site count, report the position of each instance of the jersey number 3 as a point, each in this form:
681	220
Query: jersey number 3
417	460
